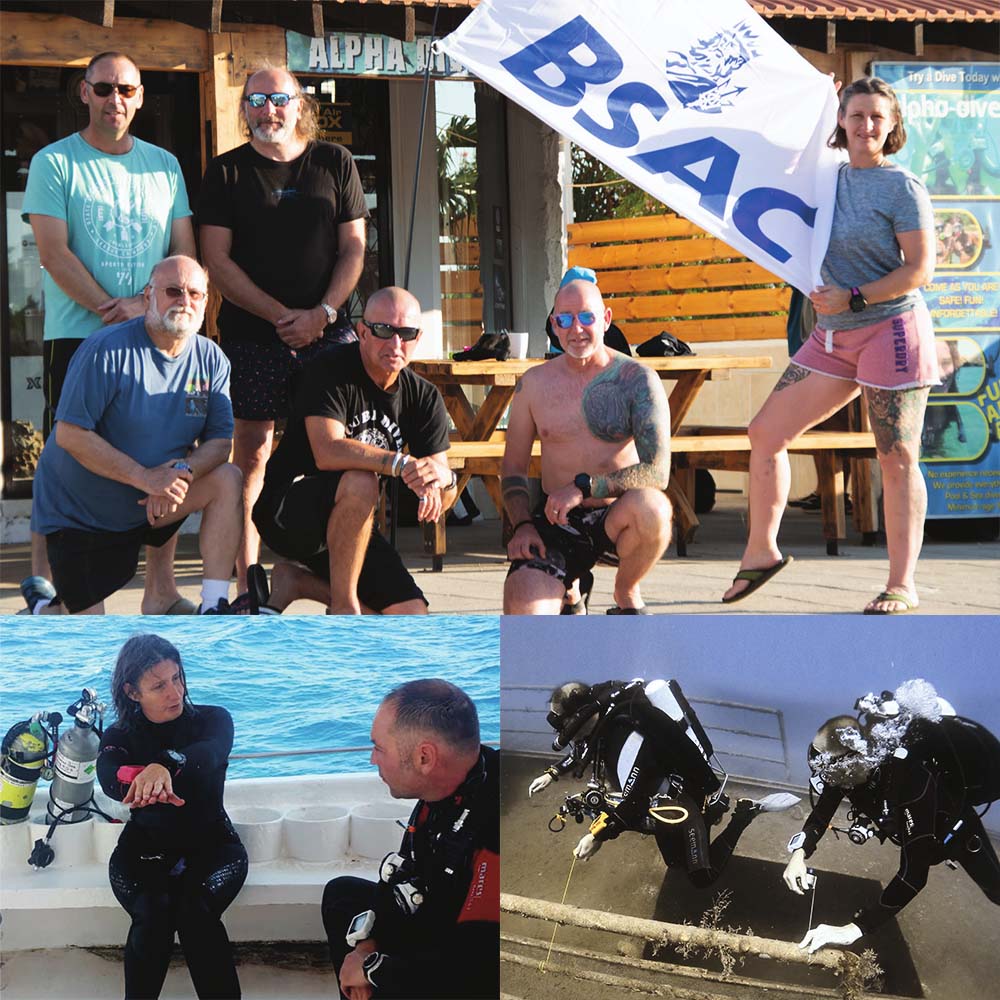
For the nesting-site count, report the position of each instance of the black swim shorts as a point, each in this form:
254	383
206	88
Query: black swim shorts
262	376
88	566
293	524
570	549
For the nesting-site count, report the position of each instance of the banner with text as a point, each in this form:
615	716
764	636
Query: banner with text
703	106
952	116
343	53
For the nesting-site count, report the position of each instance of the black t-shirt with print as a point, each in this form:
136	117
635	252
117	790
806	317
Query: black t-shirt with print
284	218
336	385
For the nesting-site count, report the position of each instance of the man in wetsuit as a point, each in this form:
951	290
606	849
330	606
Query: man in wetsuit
649	744
430	927
920	791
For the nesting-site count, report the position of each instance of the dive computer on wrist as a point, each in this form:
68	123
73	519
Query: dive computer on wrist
858	302
584	484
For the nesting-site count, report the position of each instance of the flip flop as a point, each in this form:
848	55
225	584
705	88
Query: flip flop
628	611
756	578
581	607
891	595
182	606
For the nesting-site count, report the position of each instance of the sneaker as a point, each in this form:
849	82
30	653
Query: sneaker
35	589
489	347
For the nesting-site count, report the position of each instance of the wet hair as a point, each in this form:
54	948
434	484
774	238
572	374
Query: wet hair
307	126
436	706
136	657
101	56
896	139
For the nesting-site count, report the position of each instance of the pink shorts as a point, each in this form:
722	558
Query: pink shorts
894	353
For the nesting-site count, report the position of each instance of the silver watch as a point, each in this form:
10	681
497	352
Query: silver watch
331	313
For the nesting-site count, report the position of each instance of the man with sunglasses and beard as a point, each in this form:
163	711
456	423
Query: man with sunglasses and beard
104	207
355	411
282	226
142	439
604	424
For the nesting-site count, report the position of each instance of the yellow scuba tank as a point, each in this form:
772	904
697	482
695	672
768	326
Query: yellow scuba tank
23	755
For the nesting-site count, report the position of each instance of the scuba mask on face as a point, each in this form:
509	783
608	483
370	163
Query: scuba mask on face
572	712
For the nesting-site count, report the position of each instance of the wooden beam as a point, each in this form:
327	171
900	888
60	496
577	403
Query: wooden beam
903	36
831	37
204	14
409	25
100	12
54	40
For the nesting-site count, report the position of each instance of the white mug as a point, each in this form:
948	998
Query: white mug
518	345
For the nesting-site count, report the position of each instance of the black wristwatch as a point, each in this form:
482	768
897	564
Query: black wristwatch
858	302
583	483
172	760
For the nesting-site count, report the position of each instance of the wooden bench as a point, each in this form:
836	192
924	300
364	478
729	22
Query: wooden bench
708	448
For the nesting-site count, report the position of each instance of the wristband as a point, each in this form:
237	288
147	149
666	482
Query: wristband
521	524
398	463
127	773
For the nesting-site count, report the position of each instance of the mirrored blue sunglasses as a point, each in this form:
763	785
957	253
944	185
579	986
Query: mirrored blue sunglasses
565	320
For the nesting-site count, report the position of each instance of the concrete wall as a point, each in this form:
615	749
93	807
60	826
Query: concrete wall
808	668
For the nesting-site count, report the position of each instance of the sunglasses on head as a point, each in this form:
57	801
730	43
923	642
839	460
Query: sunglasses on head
103	89
386	331
279	99
565	320
177	292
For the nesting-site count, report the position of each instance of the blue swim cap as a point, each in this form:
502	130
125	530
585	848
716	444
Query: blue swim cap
579	274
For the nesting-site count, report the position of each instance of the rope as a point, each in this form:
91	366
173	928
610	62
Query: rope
548	954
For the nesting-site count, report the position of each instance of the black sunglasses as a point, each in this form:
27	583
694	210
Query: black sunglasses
386	331
103	89
279	99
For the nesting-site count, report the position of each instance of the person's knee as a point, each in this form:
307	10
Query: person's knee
225	483
415	606
766	435
526	585
649	509
150	912
359	488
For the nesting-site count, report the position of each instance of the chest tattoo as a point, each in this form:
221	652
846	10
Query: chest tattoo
609	401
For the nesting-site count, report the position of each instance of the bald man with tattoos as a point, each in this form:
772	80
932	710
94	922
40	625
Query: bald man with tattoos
604	424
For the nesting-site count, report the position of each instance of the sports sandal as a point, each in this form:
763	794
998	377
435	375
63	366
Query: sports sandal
892	595
756	578
628	611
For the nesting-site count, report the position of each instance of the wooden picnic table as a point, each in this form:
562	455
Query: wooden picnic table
687	374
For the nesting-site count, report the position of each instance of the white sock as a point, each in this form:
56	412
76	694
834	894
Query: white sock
212	591
43	602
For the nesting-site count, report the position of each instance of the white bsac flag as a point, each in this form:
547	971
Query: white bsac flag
702	105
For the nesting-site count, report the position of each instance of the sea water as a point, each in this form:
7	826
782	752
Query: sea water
290	683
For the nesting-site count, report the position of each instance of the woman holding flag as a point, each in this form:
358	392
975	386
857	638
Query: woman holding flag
873	336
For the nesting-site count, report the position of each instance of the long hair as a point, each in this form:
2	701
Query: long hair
307	126
896	139
136	657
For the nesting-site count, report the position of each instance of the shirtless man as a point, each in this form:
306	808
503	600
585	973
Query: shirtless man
604	424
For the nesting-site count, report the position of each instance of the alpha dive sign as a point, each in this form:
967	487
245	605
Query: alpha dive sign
728	126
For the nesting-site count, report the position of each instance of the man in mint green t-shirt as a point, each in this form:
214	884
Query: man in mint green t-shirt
105	207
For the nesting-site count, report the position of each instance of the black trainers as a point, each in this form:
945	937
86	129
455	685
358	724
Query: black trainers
222	608
489	347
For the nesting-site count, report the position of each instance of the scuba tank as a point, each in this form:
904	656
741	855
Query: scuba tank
23	760
76	761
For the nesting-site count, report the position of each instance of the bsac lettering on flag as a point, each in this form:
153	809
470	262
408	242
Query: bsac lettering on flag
701	105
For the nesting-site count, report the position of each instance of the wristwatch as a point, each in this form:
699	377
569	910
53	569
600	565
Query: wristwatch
331	313
583	483
858	302
796	842
370	965
172	760
182	466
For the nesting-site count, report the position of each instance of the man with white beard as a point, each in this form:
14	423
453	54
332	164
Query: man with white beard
142	436
282	229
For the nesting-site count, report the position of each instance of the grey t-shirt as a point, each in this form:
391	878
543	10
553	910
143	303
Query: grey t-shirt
873	205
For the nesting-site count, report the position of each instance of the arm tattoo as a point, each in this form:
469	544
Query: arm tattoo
897	417
792	374
514	486
624	403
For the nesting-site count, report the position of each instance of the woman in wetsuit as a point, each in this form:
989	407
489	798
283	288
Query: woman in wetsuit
873	335
179	863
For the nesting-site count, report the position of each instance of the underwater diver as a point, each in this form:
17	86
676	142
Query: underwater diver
645	741
179	863
913	772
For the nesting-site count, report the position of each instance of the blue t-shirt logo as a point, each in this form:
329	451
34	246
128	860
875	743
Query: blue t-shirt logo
119	230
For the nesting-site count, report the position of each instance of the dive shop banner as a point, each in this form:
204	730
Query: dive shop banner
702	105
952	117
363	54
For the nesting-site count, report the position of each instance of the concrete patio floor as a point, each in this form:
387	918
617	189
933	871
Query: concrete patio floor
954	577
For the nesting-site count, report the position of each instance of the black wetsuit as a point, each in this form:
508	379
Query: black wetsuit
663	760
176	867
449	949
917	801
